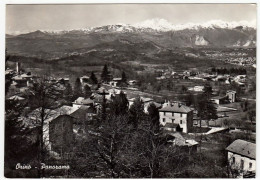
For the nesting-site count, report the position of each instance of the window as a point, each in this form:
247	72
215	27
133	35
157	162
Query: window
172	114
180	121
164	113
163	119
250	165
181	114
242	164
233	160
172	120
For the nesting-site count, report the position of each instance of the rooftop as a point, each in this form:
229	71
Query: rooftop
243	148
80	113
83	101
117	79
176	107
15	97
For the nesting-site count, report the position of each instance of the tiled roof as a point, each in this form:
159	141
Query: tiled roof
243	148
176	108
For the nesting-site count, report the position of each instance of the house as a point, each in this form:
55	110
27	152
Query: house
241	156
61	134
176	113
196	88
64	80
187	145
81	101
115	82
57	127
231	96
19	81
219	99
82	116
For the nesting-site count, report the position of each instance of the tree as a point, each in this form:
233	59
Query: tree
87	91
93	78
226	123
124	79
207	91
154	117
8	82
18	141
119	104
77	89
184	89
136	112
109	142
68	93
251	115
45	95
105	74
207	110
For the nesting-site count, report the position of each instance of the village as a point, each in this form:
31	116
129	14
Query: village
183	123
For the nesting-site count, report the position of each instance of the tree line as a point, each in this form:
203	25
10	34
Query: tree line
233	71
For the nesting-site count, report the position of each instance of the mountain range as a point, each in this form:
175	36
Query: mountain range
150	37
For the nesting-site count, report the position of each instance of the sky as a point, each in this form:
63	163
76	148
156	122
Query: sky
26	18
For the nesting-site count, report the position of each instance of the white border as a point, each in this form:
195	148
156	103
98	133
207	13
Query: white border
2	46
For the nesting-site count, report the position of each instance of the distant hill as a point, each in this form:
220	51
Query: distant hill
149	37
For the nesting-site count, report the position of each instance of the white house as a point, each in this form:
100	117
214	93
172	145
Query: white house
176	114
242	156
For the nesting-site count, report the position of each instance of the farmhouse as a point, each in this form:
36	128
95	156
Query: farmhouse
176	114
242	156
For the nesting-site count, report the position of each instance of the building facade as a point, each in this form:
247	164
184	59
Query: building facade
61	134
176	114
242	156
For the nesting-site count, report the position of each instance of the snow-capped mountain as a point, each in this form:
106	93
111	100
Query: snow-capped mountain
164	25
156	25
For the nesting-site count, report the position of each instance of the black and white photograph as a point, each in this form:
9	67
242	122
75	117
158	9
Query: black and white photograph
138	90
